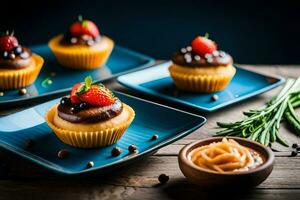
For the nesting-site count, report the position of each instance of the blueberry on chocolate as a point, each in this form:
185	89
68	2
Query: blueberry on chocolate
65	101
18	50
5	54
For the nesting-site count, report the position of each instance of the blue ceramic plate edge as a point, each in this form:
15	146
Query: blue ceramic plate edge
280	81
49	166
150	62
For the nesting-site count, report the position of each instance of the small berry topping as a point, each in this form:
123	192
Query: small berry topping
90	93
203	45
8	42
84	27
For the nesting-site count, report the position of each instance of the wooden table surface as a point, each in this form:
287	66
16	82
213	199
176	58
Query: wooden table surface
20	179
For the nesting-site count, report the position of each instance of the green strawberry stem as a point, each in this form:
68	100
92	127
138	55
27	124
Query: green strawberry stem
80	18
206	35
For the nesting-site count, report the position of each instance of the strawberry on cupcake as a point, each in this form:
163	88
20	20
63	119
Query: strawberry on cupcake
82	46
90	117
201	67
19	67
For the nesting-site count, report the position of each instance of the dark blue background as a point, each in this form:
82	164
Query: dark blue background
252	31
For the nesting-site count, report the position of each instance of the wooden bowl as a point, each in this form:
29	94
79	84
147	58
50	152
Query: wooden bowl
209	178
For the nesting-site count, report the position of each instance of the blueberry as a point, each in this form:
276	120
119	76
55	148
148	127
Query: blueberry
74	108
5	54
82	105
18	50
65	101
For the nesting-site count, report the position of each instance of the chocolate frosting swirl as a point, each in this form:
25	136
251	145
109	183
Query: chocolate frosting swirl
90	114
186	57
20	61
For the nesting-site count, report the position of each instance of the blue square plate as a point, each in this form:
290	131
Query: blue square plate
120	61
157	81
17	129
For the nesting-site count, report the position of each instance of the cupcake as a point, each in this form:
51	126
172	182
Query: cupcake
82	47
90	117
19	67
201	67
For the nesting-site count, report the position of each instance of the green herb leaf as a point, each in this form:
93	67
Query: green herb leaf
88	81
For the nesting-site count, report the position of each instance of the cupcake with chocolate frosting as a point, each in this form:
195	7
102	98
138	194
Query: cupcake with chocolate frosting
19	67
90	117
201	67
82	47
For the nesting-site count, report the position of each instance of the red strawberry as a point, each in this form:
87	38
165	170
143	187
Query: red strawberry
74	98
8	43
84	27
97	96
203	45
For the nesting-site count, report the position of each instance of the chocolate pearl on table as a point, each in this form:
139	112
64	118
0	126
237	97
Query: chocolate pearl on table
214	97
294	153
163	178
90	164
63	153
298	149
5	54
1	94
189	48
183	50
116	151
295	145
154	137
12	56
52	74
22	91
197	58
132	148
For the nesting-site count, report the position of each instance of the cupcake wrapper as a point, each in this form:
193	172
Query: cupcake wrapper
18	78
85	139
194	83
78	59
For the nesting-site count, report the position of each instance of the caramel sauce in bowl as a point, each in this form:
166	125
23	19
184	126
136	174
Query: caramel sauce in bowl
237	162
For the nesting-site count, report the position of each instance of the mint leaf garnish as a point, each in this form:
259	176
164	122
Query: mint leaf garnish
88	81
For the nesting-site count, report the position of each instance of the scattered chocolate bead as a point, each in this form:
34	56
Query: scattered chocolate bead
22	91
132	148
214	97
189	48
12	56
29	144
18	50
63	153
154	137
294	153
183	50
176	93
298	149
90	164
295	145
73	40
163	178
1	94
116	151
197	58
5	54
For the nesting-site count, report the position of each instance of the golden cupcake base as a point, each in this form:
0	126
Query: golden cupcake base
90	139
197	80
81	56
18	78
